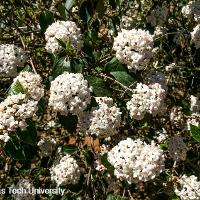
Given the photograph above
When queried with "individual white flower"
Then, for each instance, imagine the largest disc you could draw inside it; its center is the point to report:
(69, 92)
(27, 186)
(158, 16)
(103, 121)
(32, 83)
(11, 57)
(195, 36)
(188, 188)
(192, 9)
(67, 31)
(99, 166)
(66, 172)
(14, 111)
(46, 146)
(177, 148)
(194, 104)
(136, 161)
(134, 48)
(146, 99)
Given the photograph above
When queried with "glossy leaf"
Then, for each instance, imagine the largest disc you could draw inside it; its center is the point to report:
(46, 19)
(195, 132)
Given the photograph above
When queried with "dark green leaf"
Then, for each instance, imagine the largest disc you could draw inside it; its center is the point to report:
(185, 105)
(62, 10)
(42, 105)
(114, 65)
(100, 9)
(113, 3)
(37, 171)
(76, 67)
(18, 151)
(60, 66)
(29, 136)
(69, 4)
(61, 43)
(195, 132)
(69, 149)
(104, 160)
(123, 77)
(88, 155)
(86, 11)
(100, 88)
(27, 69)
(92, 104)
(16, 88)
(69, 122)
(46, 19)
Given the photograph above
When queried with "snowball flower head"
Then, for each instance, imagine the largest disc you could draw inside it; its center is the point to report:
(11, 57)
(69, 92)
(177, 148)
(158, 16)
(14, 111)
(146, 99)
(66, 172)
(188, 188)
(136, 161)
(102, 121)
(195, 35)
(192, 9)
(67, 31)
(134, 48)
(26, 185)
(46, 146)
(32, 83)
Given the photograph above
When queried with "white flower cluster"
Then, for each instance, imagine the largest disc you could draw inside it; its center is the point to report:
(136, 161)
(195, 36)
(26, 185)
(177, 148)
(194, 104)
(10, 58)
(192, 9)
(46, 146)
(134, 48)
(67, 31)
(32, 83)
(158, 16)
(103, 121)
(66, 172)
(69, 92)
(188, 188)
(161, 135)
(14, 111)
(146, 99)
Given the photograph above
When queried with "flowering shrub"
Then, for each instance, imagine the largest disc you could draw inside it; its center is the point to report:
(100, 99)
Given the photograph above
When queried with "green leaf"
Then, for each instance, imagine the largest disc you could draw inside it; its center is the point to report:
(69, 4)
(113, 197)
(104, 160)
(195, 132)
(88, 155)
(29, 136)
(42, 105)
(62, 10)
(46, 19)
(86, 11)
(69, 122)
(37, 171)
(100, 9)
(185, 105)
(61, 43)
(114, 65)
(76, 67)
(69, 149)
(92, 104)
(100, 88)
(17, 150)
(123, 77)
(16, 88)
(60, 66)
